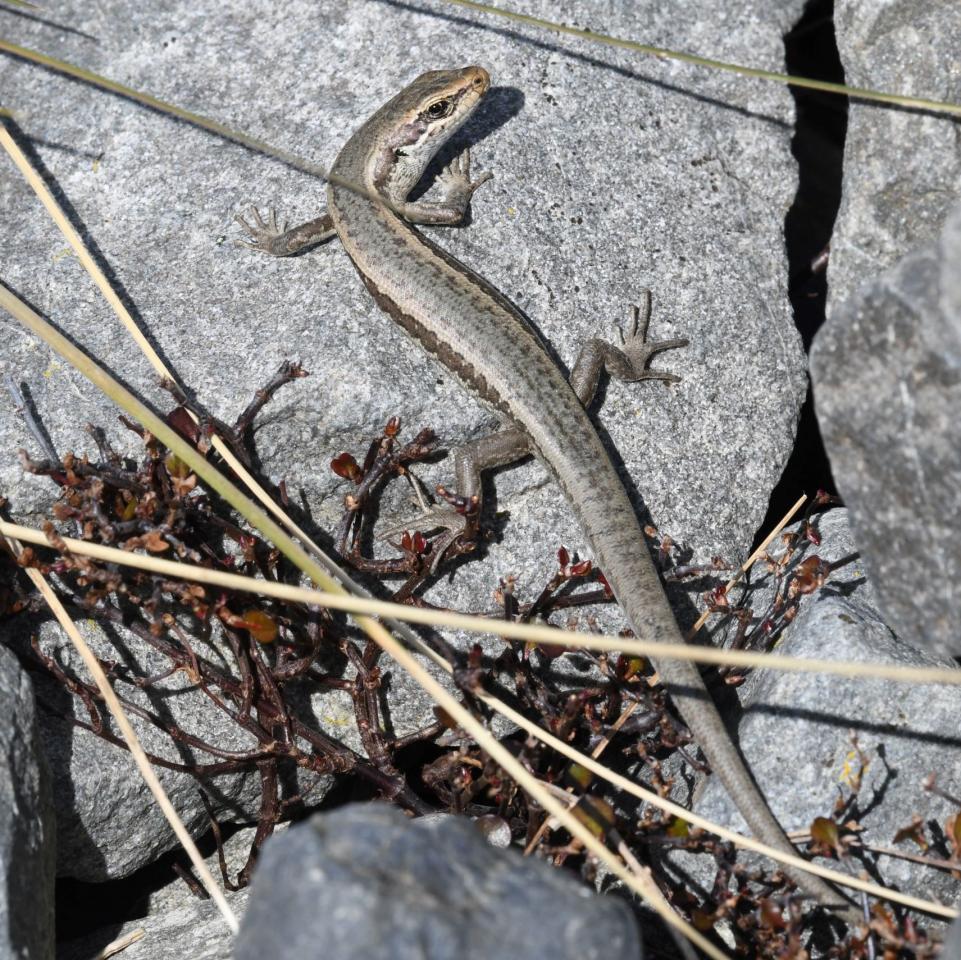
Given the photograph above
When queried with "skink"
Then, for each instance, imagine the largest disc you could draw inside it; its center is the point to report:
(482, 338)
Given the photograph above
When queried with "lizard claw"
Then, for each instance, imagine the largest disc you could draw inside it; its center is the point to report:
(455, 178)
(265, 235)
(639, 350)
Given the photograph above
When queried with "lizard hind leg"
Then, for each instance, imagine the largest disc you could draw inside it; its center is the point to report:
(461, 509)
(629, 361)
(639, 350)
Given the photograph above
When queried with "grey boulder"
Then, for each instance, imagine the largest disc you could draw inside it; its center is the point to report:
(952, 943)
(364, 882)
(887, 393)
(902, 168)
(26, 823)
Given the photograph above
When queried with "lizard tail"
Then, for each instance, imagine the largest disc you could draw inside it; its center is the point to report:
(693, 701)
(623, 557)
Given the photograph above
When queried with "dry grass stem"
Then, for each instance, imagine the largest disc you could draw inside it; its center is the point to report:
(531, 633)
(334, 596)
(235, 582)
(375, 630)
(751, 560)
(592, 36)
(337, 577)
(642, 885)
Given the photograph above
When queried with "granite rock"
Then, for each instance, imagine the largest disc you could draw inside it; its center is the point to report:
(887, 390)
(885, 364)
(368, 883)
(194, 929)
(26, 823)
(902, 168)
(612, 174)
(108, 823)
(952, 943)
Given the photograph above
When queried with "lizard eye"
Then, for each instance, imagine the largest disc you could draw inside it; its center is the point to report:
(440, 109)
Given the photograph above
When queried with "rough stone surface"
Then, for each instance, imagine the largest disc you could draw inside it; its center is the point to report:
(236, 849)
(108, 824)
(612, 173)
(195, 930)
(952, 944)
(887, 390)
(885, 365)
(26, 824)
(554, 234)
(902, 168)
(795, 730)
(367, 883)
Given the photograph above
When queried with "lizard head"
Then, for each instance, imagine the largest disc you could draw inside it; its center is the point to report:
(427, 113)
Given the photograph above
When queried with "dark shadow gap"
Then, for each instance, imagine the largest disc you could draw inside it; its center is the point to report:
(818, 147)
(98, 909)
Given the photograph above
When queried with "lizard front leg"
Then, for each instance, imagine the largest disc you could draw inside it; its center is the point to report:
(627, 362)
(457, 189)
(267, 237)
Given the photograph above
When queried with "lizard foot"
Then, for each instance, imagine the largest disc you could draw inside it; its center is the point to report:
(639, 350)
(456, 184)
(265, 235)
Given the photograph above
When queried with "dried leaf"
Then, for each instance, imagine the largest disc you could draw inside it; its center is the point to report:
(183, 487)
(679, 829)
(129, 510)
(445, 718)
(550, 651)
(181, 421)
(261, 626)
(153, 542)
(345, 466)
(578, 776)
(952, 829)
(811, 534)
(702, 920)
(176, 467)
(628, 667)
(824, 833)
(771, 916)
(809, 576)
(915, 832)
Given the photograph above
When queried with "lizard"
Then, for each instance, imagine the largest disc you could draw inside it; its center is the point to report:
(489, 345)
